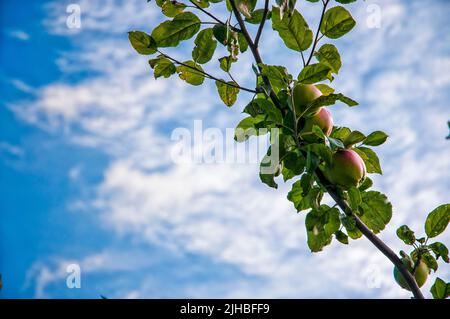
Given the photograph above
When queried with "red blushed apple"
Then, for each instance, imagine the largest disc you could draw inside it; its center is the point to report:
(303, 94)
(347, 169)
(322, 119)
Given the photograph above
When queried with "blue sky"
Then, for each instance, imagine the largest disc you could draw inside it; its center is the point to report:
(86, 175)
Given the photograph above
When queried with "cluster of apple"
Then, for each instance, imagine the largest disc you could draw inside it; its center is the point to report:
(347, 168)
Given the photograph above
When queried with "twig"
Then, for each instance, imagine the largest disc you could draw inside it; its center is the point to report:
(303, 59)
(207, 22)
(263, 21)
(317, 38)
(231, 77)
(208, 75)
(254, 50)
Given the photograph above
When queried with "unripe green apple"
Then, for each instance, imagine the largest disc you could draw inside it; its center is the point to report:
(322, 119)
(420, 275)
(303, 94)
(347, 169)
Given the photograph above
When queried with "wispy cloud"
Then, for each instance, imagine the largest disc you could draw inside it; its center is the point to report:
(19, 35)
(9, 149)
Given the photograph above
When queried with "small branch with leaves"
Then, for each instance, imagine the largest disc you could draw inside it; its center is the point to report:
(195, 69)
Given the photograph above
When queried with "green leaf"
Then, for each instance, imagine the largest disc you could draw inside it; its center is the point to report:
(366, 184)
(269, 168)
(228, 5)
(159, 3)
(321, 224)
(327, 100)
(440, 289)
(335, 144)
(221, 33)
(340, 132)
(247, 127)
(191, 73)
(430, 261)
(154, 62)
(256, 106)
(376, 138)
(286, 143)
(205, 45)
(345, 1)
(227, 93)
(164, 67)
(312, 159)
(172, 8)
(422, 240)
(294, 162)
(170, 33)
(307, 182)
(225, 63)
(322, 151)
(315, 73)
(349, 223)
(272, 113)
(288, 119)
(377, 210)
(287, 173)
(440, 250)
(354, 198)
(328, 54)
(318, 132)
(370, 158)
(301, 200)
(337, 21)
(293, 30)
(341, 237)
(264, 107)
(347, 100)
(406, 234)
(257, 16)
(353, 138)
(278, 75)
(142, 42)
(325, 89)
(437, 220)
(243, 45)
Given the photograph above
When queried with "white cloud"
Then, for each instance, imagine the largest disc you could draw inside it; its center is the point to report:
(11, 149)
(99, 16)
(54, 272)
(19, 34)
(75, 172)
(22, 86)
(222, 211)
